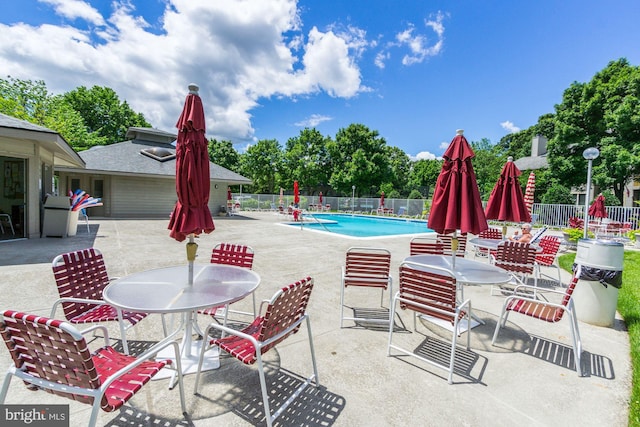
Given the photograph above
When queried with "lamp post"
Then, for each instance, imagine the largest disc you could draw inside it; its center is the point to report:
(590, 154)
(353, 198)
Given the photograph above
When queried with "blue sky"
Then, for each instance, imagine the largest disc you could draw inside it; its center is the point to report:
(413, 70)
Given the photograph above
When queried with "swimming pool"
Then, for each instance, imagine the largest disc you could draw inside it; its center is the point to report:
(362, 225)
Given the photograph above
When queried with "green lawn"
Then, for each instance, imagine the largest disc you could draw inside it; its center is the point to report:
(629, 309)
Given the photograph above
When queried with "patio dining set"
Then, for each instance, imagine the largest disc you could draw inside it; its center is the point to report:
(52, 353)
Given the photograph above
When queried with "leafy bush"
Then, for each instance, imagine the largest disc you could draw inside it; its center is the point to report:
(558, 194)
(415, 194)
(610, 198)
(573, 234)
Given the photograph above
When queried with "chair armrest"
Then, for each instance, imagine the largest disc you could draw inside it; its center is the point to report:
(510, 298)
(63, 300)
(255, 342)
(147, 355)
(102, 328)
(539, 290)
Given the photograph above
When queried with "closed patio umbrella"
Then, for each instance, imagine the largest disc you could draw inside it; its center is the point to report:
(530, 191)
(281, 199)
(296, 194)
(456, 200)
(320, 198)
(597, 208)
(191, 215)
(382, 199)
(506, 202)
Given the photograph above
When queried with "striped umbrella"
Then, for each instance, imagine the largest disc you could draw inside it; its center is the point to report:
(528, 192)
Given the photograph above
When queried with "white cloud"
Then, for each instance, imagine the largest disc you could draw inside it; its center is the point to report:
(424, 155)
(381, 58)
(510, 127)
(76, 9)
(237, 52)
(418, 44)
(313, 120)
(444, 145)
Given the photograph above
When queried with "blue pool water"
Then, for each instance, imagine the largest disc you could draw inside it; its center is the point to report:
(363, 225)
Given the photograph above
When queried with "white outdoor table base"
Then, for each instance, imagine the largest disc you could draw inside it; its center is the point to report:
(167, 291)
(466, 272)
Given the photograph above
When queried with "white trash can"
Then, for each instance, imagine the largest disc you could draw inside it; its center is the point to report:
(598, 264)
(73, 223)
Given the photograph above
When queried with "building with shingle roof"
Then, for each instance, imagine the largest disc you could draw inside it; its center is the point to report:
(136, 178)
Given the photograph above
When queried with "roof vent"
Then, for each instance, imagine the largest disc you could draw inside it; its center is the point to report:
(158, 153)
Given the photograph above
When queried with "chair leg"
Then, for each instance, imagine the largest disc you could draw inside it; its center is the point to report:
(577, 344)
(263, 387)
(123, 332)
(392, 309)
(5, 387)
(313, 352)
(341, 304)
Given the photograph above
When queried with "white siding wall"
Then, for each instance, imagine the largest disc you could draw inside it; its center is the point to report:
(133, 197)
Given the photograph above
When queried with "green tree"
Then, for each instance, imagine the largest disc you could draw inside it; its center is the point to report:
(263, 164)
(358, 158)
(558, 193)
(62, 118)
(222, 153)
(31, 101)
(487, 164)
(103, 113)
(400, 169)
(423, 175)
(603, 113)
(306, 159)
(25, 99)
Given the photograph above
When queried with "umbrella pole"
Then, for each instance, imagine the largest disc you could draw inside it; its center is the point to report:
(504, 231)
(454, 248)
(192, 248)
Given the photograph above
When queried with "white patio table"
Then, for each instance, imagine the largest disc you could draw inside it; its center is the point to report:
(167, 291)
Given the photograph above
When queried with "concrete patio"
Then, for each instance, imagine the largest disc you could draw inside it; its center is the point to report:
(527, 379)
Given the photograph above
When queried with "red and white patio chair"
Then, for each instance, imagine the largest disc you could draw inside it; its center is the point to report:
(53, 356)
(547, 311)
(282, 318)
(425, 246)
(236, 255)
(430, 292)
(548, 257)
(81, 277)
(367, 268)
(518, 259)
(447, 239)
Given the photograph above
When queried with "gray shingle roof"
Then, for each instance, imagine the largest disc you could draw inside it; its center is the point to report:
(125, 158)
(12, 122)
(22, 130)
(532, 163)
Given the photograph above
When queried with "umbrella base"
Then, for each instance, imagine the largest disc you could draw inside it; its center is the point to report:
(463, 325)
(189, 360)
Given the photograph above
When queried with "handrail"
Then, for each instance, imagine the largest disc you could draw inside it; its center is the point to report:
(316, 219)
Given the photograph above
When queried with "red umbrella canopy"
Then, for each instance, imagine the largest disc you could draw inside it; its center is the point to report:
(456, 201)
(191, 213)
(296, 193)
(597, 208)
(530, 191)
(229, 195)
(320, 198)
(382, 199)
(506, 202)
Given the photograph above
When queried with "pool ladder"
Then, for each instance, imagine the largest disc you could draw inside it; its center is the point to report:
(302, 216)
